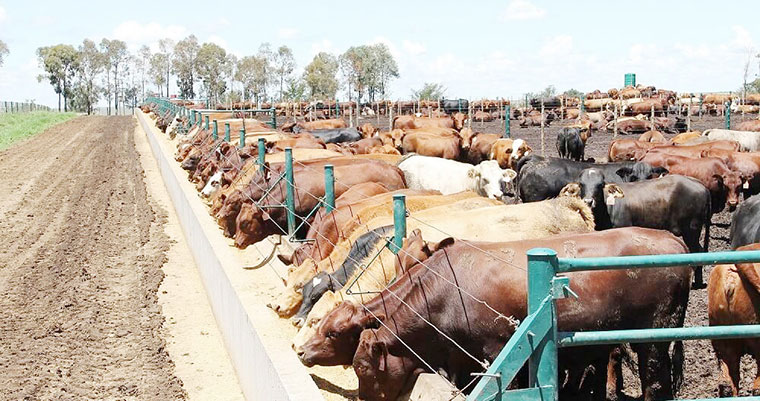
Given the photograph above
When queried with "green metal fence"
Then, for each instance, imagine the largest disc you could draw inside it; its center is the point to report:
(537, 340)
(21, 107)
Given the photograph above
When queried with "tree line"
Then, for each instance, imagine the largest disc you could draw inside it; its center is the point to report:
(83, 75)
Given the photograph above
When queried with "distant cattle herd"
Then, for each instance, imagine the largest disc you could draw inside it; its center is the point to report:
(476, 202)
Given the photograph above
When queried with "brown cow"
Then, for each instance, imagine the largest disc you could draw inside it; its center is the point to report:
(480, 147)
(633, 126)
(751, 125)
(367, 130)
(645, 107)
(745, 163)
(507, 152)
(378, 359)
(437, 144)
(303, 140)
(693, 151)
(686, 137)
(625, 149)
(652, 136)
(724, 185)
(733, 293)
(314, 125)
(456, 121)
(483, 116)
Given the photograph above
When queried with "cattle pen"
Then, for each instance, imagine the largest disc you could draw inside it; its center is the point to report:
(537, 337)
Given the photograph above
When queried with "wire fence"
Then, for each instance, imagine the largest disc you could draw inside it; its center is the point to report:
(22, 107)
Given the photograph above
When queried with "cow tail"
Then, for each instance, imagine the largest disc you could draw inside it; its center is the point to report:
(708, 223)
(677, 366)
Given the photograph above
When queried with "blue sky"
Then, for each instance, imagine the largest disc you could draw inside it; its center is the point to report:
(475, 49)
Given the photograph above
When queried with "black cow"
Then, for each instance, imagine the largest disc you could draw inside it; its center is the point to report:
(362, 251)
(540, 178)
(452, 106)
(675, 203)
(337, 135)
(570, 145)
(745, 225)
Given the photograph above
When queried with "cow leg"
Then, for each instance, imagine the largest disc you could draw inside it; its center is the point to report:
(691, 238)
(728, 360)
(615, 373)
(654, 371)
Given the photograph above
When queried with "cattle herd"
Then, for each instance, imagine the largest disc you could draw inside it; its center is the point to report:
(450, 298)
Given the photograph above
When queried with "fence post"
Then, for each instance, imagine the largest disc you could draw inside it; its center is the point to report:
(337, 108)
(207, 123)
(242, 138)
(290, 203)
(227, 132)
(262, 154)
(728, 114)
(543, 364)
(399, 222)
(459, 104)
(215, 133)
(582, 106)
(329, 188)
(273, 110)
(507, 112)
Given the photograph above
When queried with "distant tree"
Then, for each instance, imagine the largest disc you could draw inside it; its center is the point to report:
(60, 63)
(265, 70)
(166, 47)
(368, 70)
(745, 76)
(251, 72)
(212, 64)
(115, 53)
(296, 90)
(384, 68)
(3, 52)
(184, 65)
(429, 91)
(572, 93)
(319, 76)
(284, 63)
(156, 71)
(91, 64)
(353, 66)
(145, 56)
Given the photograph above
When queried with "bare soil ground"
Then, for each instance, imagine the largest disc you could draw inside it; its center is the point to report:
(80, 268)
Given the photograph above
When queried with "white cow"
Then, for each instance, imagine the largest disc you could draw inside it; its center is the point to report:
(212, 184)
(749, 141)
(449, 176)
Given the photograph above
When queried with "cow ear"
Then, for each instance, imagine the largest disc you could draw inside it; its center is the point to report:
(473, 173)
(511, 174)
(446, 242)
(265, 216)
(571, 189)
(380, 350)
(624, 172)
(614, 190)
(718, 178)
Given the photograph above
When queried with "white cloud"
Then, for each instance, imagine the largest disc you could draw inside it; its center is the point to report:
(413, 48)
(218, 40)
(3, 14)
(136, 34)
(559, 45)
(287, 33)
(522, 10)
(324, 45)
(742, 37)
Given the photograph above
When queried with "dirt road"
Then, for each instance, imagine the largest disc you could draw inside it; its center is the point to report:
(80, 260)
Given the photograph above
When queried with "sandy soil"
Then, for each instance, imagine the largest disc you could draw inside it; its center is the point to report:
(193, 339)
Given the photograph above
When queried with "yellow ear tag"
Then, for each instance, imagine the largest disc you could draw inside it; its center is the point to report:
(746, 185)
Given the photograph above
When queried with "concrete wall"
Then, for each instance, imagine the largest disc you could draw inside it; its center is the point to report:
(260, 377)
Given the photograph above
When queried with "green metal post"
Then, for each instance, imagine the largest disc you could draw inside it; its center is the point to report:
(262, 154)
(192, 118)
(227, 132)
(274, 117)
(206, 127)
(399, 222)
(337, 109)
(700, 103)
(543, 365)
(290, 202)
(242, 138)
(329, 188)
(507, 113)
(583, 103)
(216, 131)
(459, 104)
(728, 114)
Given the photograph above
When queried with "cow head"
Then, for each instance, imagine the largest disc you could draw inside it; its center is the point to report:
(592, 189)
(312, 291)
(212, 184)
(191, 160)
(732, 183)
(467, 134)
(287, 302)
(416, 250)
(383, 375)
(520, 148)
(397, 136)
(251, 225)
(367, 130)
(459, 119)
(336, 338)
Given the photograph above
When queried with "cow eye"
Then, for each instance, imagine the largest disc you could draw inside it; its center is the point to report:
(332, 334)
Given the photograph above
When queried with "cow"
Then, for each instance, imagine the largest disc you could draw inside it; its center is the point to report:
(507, 152)
(483, 321)
(314, 125)
(535, 119)
(456, 121)
(540, 178)
(653, 136)
(686, 137)
(482, 116)
(745, 223)
(254, 223)
(337, 135)
(507, 223)
(367, 130)
(724, 185)
(693, 151)
(303, 140)
(732, 294)
(477, 145)
(571, 143)
(749, 141)
(443, 145)
(747, 164)
(633, 126)
(646, 107)
(626, 149)
(751, 125)
(449, 176)
(675, 203)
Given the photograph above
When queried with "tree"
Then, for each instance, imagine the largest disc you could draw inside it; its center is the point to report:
(144, 66)
(745, 86)
(184, 65)
(296, 90)
(166, 47)
(60, 63)
(3, 52)
(251, 72)
(383, 69)
(319, 76)
(368, 69)
(91, 64)
(212, 64)
(284, 64)
(116, 53)
(352, 65)
(158, 63)
(572, 93)
(429, 91)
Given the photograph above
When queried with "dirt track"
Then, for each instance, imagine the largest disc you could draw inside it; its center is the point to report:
(80, 268)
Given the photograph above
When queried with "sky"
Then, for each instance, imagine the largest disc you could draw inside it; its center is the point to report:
(483, 49)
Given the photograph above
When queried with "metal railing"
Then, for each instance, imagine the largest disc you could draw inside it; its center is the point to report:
(537, 339)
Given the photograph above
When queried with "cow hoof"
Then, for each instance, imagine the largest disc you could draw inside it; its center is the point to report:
(756, 392)
(698, 286)
(725, 391)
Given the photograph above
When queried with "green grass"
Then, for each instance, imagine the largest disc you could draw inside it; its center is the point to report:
(17, 126)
